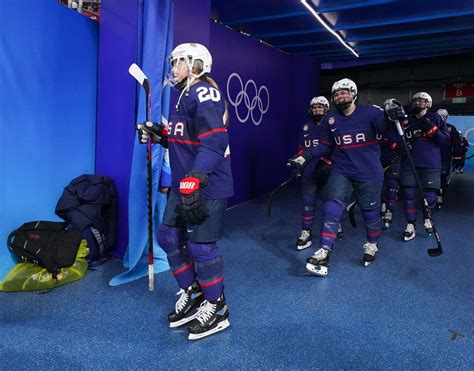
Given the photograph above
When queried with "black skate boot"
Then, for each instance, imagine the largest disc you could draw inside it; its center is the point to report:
(318, 263)
(387, 219)
(186, 307)
(428, 226)
(340, 233)
(370, 249)
(211, 318)
(410, 232)
(304, 240)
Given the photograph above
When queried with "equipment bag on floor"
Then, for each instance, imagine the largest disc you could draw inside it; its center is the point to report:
(30, 277)
(51, 245)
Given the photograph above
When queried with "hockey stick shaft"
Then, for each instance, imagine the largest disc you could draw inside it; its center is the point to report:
(141, 78)
(439, 250)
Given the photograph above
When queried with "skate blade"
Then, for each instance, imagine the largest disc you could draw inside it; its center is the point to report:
(366, 264)
(183, 321)
(406, 239)
(302, 247)
(220, 327)
(318, 270)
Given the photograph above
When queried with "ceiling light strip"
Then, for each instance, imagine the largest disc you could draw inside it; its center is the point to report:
(323, 23)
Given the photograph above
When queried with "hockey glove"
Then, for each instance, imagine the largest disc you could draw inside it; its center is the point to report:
(192, 209)
(159, 133)
(394, 110)
(429, 127)
(298, 161)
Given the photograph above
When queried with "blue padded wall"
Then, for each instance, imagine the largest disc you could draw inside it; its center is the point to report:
(48, 79)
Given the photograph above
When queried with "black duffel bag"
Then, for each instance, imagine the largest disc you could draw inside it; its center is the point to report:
(51, 245)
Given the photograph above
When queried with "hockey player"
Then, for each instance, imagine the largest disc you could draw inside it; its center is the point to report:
(391, 164)
(451, 151)
(315, 174)
(356, 167)
(458, 162)
(426, 132)
(201, 183)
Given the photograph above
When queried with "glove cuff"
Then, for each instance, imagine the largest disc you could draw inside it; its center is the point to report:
(192, 182)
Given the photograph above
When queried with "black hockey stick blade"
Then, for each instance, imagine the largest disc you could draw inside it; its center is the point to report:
(270, 199)
(351, 210)
(436, 251)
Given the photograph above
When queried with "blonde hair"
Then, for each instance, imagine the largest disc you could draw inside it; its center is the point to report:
(211, 81)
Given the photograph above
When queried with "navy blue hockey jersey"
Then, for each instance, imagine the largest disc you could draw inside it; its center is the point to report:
(354, 138)
(311, 135)
(425, 150)
(198, 140)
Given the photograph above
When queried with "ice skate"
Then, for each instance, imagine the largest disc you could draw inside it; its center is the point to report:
(410, 232)
(212, 317)
(318, 263)
(370, 250)
(186, 307)
(304, 240)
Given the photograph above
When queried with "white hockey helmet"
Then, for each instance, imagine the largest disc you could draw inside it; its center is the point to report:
(425, 96)
(190, 53)
(443, 113)
(345, 84)
(320, 100)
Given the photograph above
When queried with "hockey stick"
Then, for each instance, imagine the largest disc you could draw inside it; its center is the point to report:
(141, 78)
(281, 186)
(438, 250)
(351, 210)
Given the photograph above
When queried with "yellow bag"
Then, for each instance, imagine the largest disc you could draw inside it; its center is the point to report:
(29, 277)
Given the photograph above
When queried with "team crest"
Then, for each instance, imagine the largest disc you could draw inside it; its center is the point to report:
(331, 120)
(305, 128)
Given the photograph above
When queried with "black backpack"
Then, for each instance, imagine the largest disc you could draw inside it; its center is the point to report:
(51, 245)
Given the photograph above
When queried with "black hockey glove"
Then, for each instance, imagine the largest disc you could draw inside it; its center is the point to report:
(159, 133)
(430, 129)
(394, 110)
(298, 161)
(192, 209)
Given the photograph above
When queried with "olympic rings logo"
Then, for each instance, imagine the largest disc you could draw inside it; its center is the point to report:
(251, 105)
(467, 135)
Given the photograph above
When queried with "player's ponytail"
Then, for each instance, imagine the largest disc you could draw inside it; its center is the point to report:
(211, 81)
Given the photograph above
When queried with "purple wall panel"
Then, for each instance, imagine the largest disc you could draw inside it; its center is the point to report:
(191, 21)
(116, 102)
(260, 149)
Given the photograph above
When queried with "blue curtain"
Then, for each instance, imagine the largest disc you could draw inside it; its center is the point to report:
(155, 24)
(48, 80)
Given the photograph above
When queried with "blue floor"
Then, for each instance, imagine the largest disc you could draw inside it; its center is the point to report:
(395, 314)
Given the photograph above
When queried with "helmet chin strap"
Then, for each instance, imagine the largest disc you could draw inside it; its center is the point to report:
(189, 82)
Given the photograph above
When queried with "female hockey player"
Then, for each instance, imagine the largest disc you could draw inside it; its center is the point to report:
(426, 132)
(451, 151)
(356, 167)
(201, 183)
(315, 173)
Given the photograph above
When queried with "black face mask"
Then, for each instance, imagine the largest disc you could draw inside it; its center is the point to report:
(343, 105)
(317, 118)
